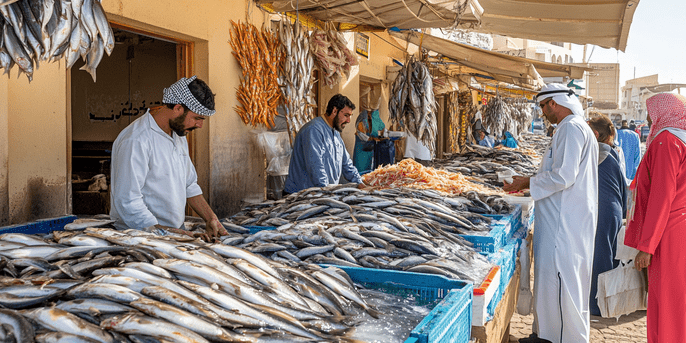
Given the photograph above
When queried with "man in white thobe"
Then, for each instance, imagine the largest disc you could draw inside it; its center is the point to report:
(566, 193)
(152, 174)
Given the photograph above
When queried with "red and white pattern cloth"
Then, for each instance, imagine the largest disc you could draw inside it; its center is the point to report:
(665, 110)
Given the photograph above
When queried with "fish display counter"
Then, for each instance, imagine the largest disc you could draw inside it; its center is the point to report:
(93, 283)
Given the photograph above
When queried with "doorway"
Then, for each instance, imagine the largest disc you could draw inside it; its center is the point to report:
(129, 82)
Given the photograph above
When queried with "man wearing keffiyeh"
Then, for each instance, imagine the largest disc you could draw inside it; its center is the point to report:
(152, 174)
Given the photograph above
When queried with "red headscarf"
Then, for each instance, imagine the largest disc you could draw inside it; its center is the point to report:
(665, 110)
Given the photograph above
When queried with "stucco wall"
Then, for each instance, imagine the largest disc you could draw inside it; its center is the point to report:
(4, 150)
(37, 144)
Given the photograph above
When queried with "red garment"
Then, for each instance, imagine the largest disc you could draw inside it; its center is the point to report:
(658, 227)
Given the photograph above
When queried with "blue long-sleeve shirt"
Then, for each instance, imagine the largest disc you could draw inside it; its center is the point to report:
(319, 158)
(631, 145)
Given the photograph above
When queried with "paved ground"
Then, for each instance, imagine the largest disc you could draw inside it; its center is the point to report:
(628, 329)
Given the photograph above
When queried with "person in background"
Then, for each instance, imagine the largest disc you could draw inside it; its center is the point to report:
(631, 146)
(632, 125)
(368, 129)
(656, 225)
(485, 139)
(565, 191)
(319, 157)
(612, 196)
(509, 140)
(152, 174)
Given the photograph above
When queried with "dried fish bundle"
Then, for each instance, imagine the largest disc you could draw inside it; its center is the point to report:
(413, 105)
(33, 30)
(521, 115)
(331, 54)
(296, 81)
(455, 124)
(466, 109)
(494, 116)
(259, 53)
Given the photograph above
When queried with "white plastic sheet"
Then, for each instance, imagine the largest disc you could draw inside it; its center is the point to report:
(277, 148)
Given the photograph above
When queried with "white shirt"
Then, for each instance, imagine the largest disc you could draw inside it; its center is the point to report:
(152, 175)
(566, 193)
(415, 149)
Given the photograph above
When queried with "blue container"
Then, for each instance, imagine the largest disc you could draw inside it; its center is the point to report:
(506, 258)
(256, 229)
(449, 321)
(39, 226)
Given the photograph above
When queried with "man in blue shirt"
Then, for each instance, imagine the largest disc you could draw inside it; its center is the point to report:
(485, 139)
(631, 146)
(319, 156)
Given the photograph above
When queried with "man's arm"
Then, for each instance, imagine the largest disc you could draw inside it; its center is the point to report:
(212, 225)
(569, 144)
(314, 153)
(349, 171)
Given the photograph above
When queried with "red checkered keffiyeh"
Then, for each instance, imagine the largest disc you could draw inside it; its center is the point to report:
(666, 110)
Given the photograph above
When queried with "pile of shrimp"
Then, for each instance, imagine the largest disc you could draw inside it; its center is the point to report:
(409, 173)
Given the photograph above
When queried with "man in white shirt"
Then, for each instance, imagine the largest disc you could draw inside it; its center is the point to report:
(152, 173)
(566, 193)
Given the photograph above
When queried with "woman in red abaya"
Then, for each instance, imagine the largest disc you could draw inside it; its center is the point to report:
(657, 223)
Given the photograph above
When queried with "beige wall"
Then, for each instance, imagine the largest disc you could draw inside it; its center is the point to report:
(37, 144)
(4, 150)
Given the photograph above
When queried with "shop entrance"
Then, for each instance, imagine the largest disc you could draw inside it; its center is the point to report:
(128, 82)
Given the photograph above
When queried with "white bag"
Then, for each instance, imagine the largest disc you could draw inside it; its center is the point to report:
(622, 290)
(624, 253)
(525, 296)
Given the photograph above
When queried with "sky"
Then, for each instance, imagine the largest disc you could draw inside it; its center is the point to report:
(656, 44)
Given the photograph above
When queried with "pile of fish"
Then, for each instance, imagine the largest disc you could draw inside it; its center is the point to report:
(104, 285)
(259, 54)
(413, 106)
(399, 229)
(296, 81)
(331, 54)
(47, 30)
(485, 163)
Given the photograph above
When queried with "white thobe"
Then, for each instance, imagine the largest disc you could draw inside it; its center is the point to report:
(152, 175)
(566, 193)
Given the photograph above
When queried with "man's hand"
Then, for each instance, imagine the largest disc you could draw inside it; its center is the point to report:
(215, 229)
(518, 183)
(361, 186)
(642, 260)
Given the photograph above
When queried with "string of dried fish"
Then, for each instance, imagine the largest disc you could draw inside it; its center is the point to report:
(259, 54)
(331, 54)
(413, 106)
(409, 173)
(296, 81)
(32, 31)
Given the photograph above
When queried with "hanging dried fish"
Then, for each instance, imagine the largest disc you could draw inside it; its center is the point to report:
(331, 54)
(259, 54)
(412, 104)
(48, 30)
(296, 81)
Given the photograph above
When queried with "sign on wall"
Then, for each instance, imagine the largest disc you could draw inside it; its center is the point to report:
(362, 44)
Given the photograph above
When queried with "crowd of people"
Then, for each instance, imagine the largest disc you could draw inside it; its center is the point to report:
(580, 194)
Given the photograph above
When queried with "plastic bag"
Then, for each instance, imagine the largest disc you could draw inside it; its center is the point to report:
(277, 148)
(622, 290)
(624, 253)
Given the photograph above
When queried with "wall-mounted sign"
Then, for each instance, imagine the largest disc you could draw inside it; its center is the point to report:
(362, 44)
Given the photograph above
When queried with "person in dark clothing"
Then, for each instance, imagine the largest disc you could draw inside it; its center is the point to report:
(612, 199)
(632, 126)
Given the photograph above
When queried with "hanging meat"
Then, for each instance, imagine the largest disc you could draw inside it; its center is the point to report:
(259, 54)
(331, 54)
(48, 30)
(296, 81)
(412, 104)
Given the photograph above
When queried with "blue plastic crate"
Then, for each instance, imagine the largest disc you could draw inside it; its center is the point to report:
(39, 226)
(506, 258)
(489, 243)
(449, 321)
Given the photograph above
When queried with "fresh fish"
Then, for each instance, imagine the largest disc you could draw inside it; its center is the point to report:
(104, 291)
(63, 321)
(95, 307)
(21, 329)
(136, 324)
(63, 337)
